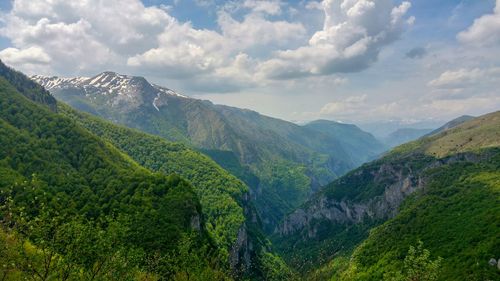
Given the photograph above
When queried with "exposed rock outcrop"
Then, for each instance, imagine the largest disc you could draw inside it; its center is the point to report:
(398, 182)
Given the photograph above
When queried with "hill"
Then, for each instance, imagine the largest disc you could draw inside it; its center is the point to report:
(451, 124)
(58, 179)
(442, 190)
(231, 218)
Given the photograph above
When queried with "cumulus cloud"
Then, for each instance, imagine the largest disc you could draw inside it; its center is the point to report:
(32, 55)
(485, 31)
(353, 34)
(182, 52)
(464, 78)
(255, 30)
(83, 35)
(249, 47)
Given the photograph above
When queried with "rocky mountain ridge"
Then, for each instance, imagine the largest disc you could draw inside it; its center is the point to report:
(406, 180)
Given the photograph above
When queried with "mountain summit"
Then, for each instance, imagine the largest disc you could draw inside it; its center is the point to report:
(116, 90)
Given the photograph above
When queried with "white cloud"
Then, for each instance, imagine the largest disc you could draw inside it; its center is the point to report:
(271, 7)
(353, 34)
(32, 55)
(347, 106)
(83, 36)
(464, 78)
(182, 52)
(485, 31)
(255, 30)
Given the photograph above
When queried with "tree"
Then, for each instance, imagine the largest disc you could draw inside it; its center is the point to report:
(417, 266)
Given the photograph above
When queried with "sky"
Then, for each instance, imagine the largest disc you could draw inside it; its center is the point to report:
(355, 61)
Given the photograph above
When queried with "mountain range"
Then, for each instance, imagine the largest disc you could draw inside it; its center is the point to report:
(282, 163)
(114, 178)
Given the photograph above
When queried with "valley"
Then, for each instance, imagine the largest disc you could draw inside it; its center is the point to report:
(255, 198)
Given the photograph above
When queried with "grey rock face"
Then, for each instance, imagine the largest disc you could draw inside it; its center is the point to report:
(196, 222)
(345, 211)
(404, 181)
(242, 253)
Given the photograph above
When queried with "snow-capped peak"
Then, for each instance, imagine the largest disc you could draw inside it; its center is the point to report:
(51, 82)
(105, 83)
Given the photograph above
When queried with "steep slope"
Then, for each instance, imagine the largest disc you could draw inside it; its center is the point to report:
(230, 216)
(360, 145)
(430, 189)
(288, 160)
(27, 87)
(451, 124)
(225, 216)
(55, 175)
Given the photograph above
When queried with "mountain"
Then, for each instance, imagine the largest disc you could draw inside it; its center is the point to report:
(403, 135)
(442, 190)
(84, 204)
(360, 145)
(281, 162)
(382, 129)
(453, 123)
(198, 221)
(231, 219)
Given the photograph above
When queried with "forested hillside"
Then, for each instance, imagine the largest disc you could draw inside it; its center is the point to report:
(67, 174)
(442, 190)
(231, 218)
(58, 178)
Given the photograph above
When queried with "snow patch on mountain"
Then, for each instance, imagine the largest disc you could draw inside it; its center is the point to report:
(106, 83)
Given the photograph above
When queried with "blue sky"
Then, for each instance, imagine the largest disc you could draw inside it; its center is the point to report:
(349, 60)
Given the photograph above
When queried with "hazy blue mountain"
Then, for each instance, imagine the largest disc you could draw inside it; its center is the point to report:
(360, 145)
(403, 135)
(382, 129)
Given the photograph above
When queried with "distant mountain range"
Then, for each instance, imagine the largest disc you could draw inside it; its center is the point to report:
(283, 163)
(403, 135)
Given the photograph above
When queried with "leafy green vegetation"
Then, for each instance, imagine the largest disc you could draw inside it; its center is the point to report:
(456, 216)
(454, 209)
(417, 266)
(220, 193)
(88, 176)
(223, 197)
(27, 87)
(57, 174)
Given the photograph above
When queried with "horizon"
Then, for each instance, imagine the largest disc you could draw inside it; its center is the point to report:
(347, 61)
